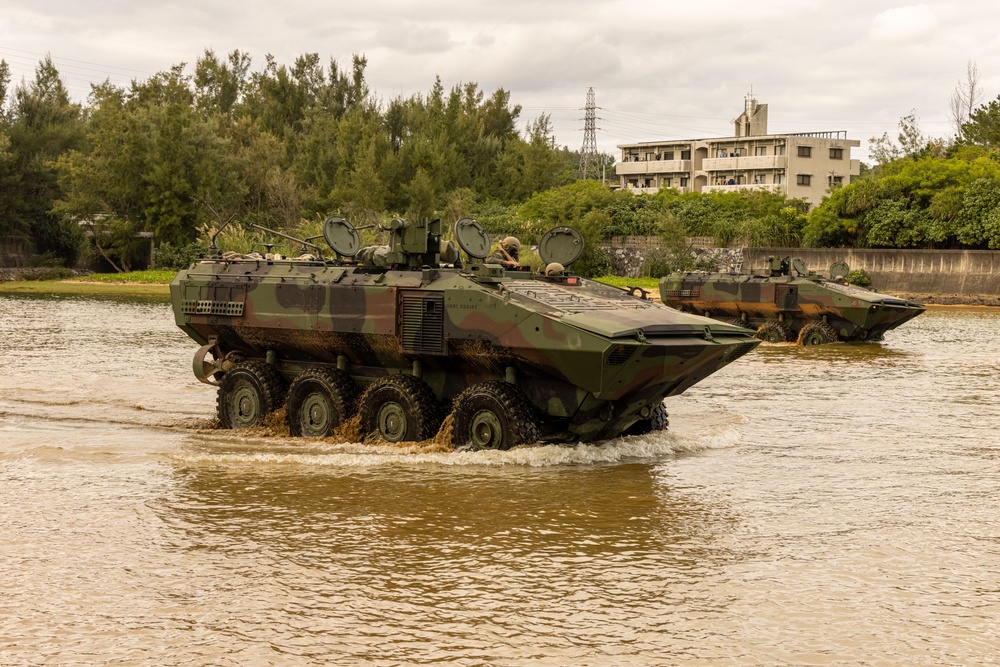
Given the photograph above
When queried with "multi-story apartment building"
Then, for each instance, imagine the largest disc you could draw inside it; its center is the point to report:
(803, 166)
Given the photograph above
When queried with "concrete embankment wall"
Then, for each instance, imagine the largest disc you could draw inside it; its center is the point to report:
(960, 272)
(914, 271)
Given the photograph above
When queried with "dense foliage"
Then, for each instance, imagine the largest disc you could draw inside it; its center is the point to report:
(749, 217)
(923, 193)
(181, 154)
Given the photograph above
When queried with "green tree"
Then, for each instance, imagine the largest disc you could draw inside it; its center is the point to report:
(535, 165)
(153, 165)
(43, 124)
(983, 126)
(219, 84)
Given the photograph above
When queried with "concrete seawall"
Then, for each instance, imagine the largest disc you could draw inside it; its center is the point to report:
(957, 272)
(963, 272)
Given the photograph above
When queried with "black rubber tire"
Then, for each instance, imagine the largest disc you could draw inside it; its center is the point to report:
(817, 333)
(320, 400)
(774, 331)
(399, 408)
(659, 420)
(493, 415)
(249, 391)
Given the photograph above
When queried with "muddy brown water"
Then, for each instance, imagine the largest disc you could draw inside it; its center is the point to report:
(834, 505)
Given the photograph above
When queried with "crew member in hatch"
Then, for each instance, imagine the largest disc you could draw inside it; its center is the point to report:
(506, 253)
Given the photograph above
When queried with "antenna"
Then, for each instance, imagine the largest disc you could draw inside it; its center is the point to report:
(588, 154)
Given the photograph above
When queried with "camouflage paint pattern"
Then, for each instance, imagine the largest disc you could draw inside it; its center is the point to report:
(853, 312)
(591, 359)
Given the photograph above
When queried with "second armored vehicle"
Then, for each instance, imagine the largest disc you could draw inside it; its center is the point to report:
(404, 334)
(807, 307)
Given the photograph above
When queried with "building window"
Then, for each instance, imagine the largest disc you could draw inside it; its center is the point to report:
(760, 150)
(779, 179)
(803, 179)
(805, 151)
(836, 153)
(779, 149)
(684, 181)
(721, 153)
(685, 155)
(836, 180)
(669, 155)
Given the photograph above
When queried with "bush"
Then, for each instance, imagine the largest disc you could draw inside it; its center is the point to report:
(167, 256)
(592, 263)
(858, 277)
(656, 266)
(50, 273)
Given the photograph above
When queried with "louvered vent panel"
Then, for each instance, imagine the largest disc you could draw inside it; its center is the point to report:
(692, 293)
(422, 323)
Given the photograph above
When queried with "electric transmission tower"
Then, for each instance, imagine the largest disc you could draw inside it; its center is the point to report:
(588, 154)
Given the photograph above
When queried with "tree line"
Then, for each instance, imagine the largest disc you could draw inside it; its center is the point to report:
(179, 155)
(923, 192)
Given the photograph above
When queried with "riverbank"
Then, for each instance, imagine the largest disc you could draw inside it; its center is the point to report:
(953, 299)
(64, 281)
(84, 287)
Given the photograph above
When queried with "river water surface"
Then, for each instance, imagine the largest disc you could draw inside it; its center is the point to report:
(832, 505)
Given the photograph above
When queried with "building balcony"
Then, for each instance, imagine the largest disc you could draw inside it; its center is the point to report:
(652, 190)
(770, 187)
(744, 163)
(653, 167)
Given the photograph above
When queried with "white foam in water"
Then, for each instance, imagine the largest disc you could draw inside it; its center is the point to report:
(629, 448)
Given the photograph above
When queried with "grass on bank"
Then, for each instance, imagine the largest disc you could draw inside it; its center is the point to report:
(649, 284)
(155, 282)
(152, 276)
(140, 283)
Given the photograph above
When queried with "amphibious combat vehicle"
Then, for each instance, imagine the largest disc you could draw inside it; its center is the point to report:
(406, 333)
(807, 307)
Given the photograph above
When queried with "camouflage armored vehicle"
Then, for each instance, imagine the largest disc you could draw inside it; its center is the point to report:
(412, 334)
(807, 307)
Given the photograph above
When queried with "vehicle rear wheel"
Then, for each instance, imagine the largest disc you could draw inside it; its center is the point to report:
(319, 400)
(399, 408)
(774, 331)
(249, 391)
(493, 415)
(817, 333)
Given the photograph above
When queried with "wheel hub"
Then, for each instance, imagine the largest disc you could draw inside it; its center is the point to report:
(247, 406)
(316, 413)
(486, 430)
(392, 422)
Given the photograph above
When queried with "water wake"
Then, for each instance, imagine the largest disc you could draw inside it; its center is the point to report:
(233, 449)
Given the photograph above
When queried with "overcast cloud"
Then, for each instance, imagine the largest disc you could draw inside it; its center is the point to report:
(660, 70)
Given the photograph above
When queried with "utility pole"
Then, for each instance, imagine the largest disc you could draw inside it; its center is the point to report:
(588, 154)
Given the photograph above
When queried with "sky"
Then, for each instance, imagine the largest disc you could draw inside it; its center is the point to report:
(659, 69)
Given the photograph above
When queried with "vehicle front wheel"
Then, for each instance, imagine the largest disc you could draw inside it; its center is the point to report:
(817, 333)
(659, 420)
(493, 415)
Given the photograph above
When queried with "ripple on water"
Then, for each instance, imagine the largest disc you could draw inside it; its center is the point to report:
(826, 505)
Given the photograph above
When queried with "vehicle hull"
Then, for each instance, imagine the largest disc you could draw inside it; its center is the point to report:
(591, 360)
